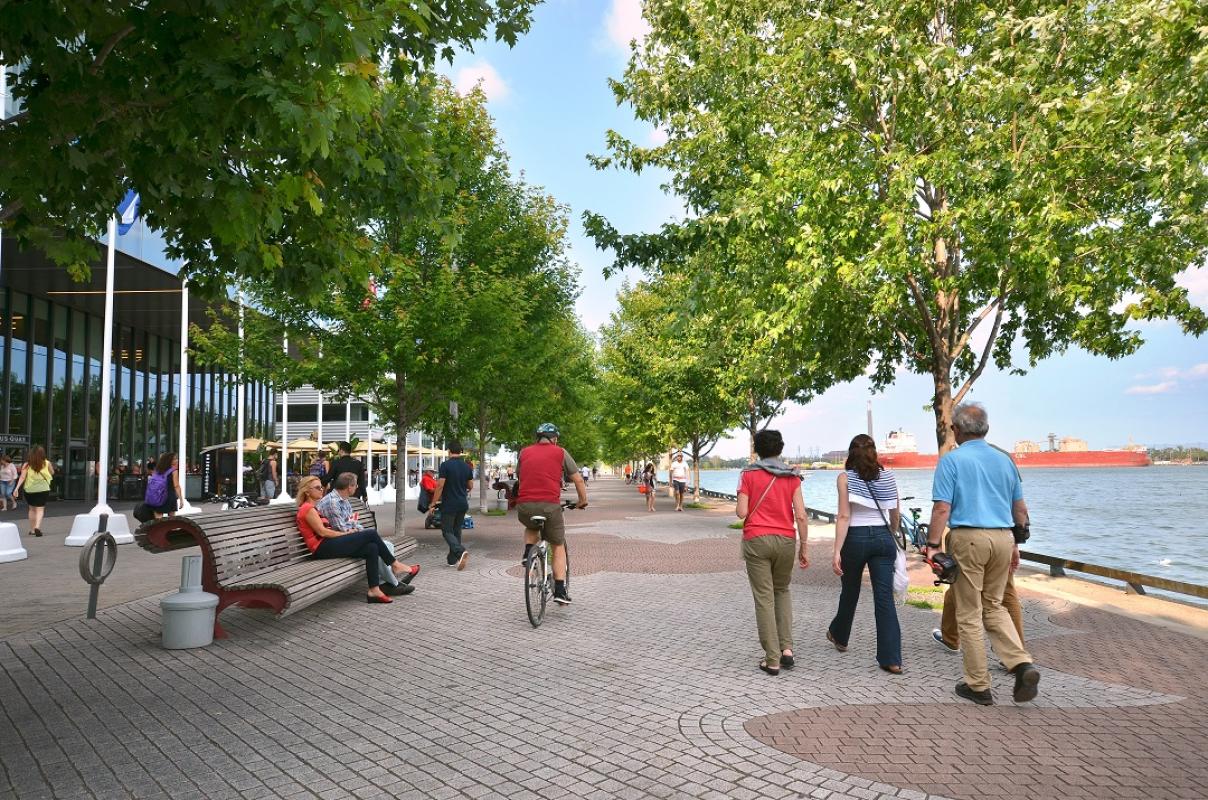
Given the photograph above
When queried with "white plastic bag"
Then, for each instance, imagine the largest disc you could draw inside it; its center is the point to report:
(385, 573)
(901, 580)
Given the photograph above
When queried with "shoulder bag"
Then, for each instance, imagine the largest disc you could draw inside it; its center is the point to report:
(901, 578)
(759, 502)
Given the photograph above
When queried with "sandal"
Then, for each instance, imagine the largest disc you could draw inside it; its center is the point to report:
(892, 669)
(787, 661)
(842, 648)
(763, 665)
(406, 577)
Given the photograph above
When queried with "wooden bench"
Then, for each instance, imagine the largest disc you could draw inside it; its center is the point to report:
(255, 557)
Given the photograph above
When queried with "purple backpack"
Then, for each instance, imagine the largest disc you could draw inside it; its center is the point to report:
(157, 489)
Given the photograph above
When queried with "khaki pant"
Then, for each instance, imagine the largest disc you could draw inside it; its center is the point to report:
(770, 562)
(984, 556)
(1010, 601)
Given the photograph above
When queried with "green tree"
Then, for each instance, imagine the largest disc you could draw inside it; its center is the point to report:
(939, 186)
(242, 125)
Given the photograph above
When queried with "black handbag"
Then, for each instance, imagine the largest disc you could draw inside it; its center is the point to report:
(143, 513)
(424, 500)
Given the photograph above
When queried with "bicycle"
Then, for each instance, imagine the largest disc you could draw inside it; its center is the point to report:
(539, 572)
(911, 531)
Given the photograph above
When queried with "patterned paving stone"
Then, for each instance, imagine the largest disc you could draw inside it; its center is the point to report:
(646, 687)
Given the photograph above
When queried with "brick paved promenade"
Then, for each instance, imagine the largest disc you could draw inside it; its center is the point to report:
(645, 687)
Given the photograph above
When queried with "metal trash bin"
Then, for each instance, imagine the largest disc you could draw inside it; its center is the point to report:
(188, 615)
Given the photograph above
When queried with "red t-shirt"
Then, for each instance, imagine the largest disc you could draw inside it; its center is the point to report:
(309, 536)
(774, 516)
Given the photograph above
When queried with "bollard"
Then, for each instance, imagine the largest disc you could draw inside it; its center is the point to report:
(188, 615)
(97, 560)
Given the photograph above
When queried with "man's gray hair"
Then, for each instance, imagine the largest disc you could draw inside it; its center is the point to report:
(344, 480)
(971, 419)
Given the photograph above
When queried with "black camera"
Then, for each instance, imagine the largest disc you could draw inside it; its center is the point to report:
(945, 568)
(1021, 532)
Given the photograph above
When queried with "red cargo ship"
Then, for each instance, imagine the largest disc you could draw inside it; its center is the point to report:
(900, 451)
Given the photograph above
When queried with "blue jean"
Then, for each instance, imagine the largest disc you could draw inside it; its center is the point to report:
(452, 517)
(870, 546)
(365, 544)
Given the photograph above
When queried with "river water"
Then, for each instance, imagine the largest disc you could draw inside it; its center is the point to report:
(1152, 520)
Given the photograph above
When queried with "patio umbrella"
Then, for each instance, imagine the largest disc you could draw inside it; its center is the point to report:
(306, 444)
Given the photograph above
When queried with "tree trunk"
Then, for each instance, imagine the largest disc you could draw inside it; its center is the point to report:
(482, 470)
(752, 425)
(696, 469)
(945, 439)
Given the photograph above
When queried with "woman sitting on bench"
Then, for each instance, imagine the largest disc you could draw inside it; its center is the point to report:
(325, 542)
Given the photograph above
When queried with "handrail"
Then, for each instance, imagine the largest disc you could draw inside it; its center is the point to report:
(1057, 566)
(1135, 580)
(814, 513)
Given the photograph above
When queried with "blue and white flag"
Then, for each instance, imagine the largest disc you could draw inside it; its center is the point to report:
(127, 212)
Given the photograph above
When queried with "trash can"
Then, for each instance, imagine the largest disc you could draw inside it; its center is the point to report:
(188, 615)
(501, 504)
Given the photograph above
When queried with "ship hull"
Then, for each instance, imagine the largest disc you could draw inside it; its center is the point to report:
(1050, 459)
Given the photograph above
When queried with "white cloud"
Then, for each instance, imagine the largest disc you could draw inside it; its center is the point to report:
(1195, 281)
(658, 136)
(1198, 371)
(625, 23)
(1156, 388)
(493, 85)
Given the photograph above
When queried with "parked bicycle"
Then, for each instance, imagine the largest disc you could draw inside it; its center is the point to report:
(539, 572)
(911, 531)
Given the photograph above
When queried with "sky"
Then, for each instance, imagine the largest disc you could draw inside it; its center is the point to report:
(552, 105)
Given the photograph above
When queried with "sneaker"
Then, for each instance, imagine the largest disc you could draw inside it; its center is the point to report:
(939, 639)
(562, 598)
(1027, 677)
(982, 698)
(401, 590)
(461, 562)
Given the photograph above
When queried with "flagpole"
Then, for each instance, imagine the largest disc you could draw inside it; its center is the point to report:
(182, 453)
(283, 473)
(11, 548)
(240, 400)
(85, 525)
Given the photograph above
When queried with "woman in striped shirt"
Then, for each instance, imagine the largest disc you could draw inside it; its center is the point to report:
(868, 511)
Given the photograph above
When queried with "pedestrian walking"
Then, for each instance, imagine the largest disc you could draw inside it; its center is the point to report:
(769, 502)
(649, 483)
(8, 482)
(868, 512)
(679, 480)
(35, 479)
(318, 468)
(346, 463)
(978, 494)
(455, 480)
(269, 476)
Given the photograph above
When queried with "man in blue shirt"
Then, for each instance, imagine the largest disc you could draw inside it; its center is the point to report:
(452, 494)
(977, 494)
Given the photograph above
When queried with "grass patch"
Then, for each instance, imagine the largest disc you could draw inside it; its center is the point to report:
(922, 602)
(695, 505)
(494, 512)
(736, 525)
(927, 589)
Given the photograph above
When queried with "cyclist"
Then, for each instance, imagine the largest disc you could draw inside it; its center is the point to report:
(541, 469)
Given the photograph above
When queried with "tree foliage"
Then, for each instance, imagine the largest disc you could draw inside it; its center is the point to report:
(931, 186)
(242, 125)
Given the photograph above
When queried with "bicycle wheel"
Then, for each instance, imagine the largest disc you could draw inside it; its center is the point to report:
(900, 535)
(920, 539)
(535, 589)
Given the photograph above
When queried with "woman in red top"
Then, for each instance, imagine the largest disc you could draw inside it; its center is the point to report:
(315, 533)
(769, 501)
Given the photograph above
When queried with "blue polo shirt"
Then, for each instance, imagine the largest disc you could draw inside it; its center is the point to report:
(980, 482)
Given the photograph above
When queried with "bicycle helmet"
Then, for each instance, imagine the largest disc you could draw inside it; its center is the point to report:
(547, 430)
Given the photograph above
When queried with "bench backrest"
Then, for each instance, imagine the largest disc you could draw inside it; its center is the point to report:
(251, 539)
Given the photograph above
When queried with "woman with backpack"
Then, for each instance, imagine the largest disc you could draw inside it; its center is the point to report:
(35, 477)
(163, 487)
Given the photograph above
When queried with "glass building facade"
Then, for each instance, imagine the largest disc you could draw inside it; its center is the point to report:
(50, 374)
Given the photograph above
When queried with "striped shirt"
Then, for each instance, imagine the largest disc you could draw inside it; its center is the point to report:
(865, 497)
